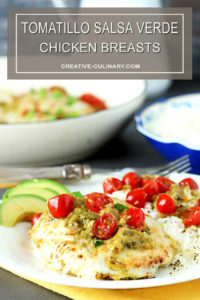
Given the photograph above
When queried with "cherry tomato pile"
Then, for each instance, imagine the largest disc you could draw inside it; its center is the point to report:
(140, 190)
(106, 225)
(143, 189)
(152, 187)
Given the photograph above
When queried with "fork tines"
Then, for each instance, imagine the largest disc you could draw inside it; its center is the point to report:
(181, 164)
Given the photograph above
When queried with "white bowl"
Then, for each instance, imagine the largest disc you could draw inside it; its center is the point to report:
(67, 140)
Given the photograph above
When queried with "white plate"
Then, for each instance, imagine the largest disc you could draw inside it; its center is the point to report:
(67, 140)
(16, 253)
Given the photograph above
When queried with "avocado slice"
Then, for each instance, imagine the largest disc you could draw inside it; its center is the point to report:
(20, 208)
(44, 193)
(45, 183)
(31, 185)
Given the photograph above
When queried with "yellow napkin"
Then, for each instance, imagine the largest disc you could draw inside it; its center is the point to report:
(182, 291)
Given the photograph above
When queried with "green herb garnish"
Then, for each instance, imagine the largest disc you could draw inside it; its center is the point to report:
(47, 113)
(147, 230)
(57, 94)
(53, 118)
(121, 208)
(78, 195)
(32, 91)
(72, 114)
(30, 114)
(71, 100)
(59, 114)
(98, 242)
(42, 93)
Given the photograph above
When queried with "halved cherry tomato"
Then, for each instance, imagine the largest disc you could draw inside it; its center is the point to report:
(132, 179)
(93, 101)
(199, 202)
(164, 183)
(135, 217)
(191, 216)
(61, 205)
(190, 182)
(137, 197)
(152, 189)
(35, 218)
(104, 227)
(97, 201)
(145, 180)
(165, 204)
(111, 185)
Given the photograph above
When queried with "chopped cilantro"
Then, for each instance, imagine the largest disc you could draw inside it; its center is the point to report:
(71, 100)
(98, 242)
(147, 230)
(78, 195)
(121, 208)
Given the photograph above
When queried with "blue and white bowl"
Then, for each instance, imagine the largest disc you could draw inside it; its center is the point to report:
(171, 148)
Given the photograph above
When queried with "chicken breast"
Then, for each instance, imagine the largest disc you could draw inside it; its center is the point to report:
(67, 245)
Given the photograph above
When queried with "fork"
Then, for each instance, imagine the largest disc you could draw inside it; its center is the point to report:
(10, 176)
(182, 164)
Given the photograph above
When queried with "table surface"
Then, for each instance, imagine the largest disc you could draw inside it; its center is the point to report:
(128, 149)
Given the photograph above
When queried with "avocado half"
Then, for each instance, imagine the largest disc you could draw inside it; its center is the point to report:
(30, 197)
(44, 188)
(21, 208)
